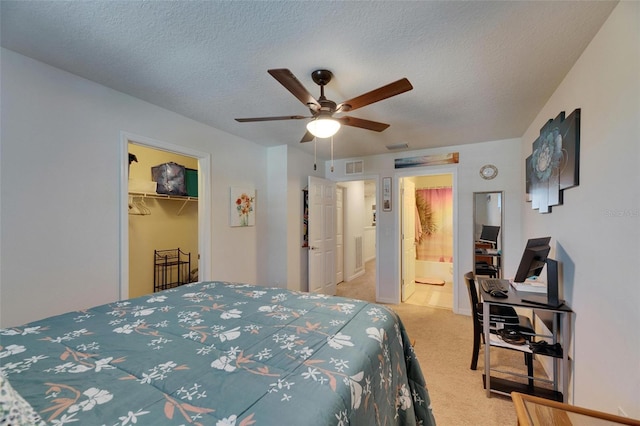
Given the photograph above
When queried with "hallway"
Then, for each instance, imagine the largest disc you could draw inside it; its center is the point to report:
(364, 288)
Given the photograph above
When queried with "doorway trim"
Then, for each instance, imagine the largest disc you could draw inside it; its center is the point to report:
(204, 204)
(453, 171)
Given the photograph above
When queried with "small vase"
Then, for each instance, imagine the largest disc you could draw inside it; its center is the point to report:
(244, 220)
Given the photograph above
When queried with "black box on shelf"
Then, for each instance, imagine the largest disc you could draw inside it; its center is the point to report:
(170, 178)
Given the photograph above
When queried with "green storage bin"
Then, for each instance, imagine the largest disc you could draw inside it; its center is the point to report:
(191, 177)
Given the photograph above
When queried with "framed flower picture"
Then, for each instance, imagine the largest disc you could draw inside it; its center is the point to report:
(242, 206)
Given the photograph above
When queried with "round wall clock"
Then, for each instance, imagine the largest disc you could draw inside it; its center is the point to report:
(488, 171)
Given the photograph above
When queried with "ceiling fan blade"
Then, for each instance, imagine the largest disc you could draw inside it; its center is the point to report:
(291, 83)
(384, 92)
(362, 123)
(283, 117)
(308, 137)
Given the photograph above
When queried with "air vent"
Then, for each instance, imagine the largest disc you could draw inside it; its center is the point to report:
(397, 146)
(354, 167)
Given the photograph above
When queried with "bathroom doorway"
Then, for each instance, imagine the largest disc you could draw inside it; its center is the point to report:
(433, 220)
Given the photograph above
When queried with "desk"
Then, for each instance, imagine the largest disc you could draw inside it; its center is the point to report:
(534, 411)
(558, 320)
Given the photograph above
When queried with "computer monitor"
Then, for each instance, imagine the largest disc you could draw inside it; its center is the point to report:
(537, 242)
(489, 234)
(553, 288)
(533, 259)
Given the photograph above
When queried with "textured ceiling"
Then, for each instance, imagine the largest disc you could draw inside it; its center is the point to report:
(481, 70)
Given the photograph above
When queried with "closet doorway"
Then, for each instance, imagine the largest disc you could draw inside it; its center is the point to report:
(156, 222)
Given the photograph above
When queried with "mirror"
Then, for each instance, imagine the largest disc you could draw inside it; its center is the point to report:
(487, 233)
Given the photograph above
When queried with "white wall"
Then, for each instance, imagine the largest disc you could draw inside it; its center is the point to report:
(60, 169)
(61, 149)
(596, 231)
(276, 202)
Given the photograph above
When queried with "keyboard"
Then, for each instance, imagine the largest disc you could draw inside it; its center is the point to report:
(488, 285)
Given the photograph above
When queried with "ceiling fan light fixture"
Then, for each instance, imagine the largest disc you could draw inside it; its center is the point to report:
(323, 127)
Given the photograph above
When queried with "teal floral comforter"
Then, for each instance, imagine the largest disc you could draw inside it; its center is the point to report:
(221, 354)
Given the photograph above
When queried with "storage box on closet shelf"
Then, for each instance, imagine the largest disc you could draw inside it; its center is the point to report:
(142, 186)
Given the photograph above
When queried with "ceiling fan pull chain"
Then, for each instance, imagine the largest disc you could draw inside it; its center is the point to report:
(331, 154)
(314, 153)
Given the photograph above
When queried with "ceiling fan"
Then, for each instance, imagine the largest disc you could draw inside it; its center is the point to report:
(323, 109)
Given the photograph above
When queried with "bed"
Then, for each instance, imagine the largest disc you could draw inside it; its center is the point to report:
(217, 353)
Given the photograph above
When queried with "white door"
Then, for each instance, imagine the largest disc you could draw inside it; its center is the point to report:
(408, 238)
(339, 235)
(322, 236)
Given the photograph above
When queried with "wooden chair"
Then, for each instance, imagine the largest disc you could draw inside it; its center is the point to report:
(504, 314)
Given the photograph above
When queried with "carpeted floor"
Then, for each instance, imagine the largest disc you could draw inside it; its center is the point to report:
(444, 342)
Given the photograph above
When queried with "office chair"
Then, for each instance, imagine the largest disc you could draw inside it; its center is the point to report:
(504, 314)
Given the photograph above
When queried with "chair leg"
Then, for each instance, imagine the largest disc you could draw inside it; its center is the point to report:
(476, 349)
